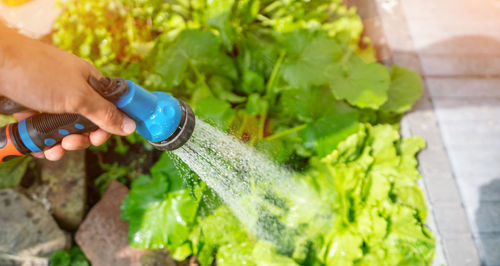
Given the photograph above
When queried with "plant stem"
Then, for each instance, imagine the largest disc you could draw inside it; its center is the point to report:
(274, 74)
(269, 93)
(242, 126)
(262, 124)
(285, 132)
(196, 71)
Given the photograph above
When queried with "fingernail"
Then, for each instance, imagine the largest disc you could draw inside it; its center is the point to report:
(38, 155)
(128, 125)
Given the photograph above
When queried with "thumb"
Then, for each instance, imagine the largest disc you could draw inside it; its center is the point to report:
(106, 115)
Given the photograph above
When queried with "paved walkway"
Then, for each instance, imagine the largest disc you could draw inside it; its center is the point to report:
(458, 42)
(456, 45)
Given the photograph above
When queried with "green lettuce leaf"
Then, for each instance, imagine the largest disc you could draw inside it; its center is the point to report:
(324, 134)
(308, 57)
(219, 16)
(381, 209)
(12, 171)
(361, 84)
(404, 91)
(160, 209)
(194, 50)
(216, 112)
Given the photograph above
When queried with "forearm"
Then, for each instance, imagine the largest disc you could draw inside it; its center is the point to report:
(12, 47)
(8, 36)
(4, 34)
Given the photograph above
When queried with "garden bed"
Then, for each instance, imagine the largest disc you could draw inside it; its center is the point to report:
(276, 99)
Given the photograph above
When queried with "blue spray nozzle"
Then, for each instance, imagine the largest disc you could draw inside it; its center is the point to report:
(166, 122)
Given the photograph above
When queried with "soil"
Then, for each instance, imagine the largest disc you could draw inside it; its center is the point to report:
(136, 153)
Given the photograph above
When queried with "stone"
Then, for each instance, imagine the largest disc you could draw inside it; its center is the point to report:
(103, 234)
(27, 230)
(484, 66)
(67, 188)
(13, 260)
(462, 250)
(465, 87)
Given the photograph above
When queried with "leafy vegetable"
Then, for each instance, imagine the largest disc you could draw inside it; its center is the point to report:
(379, 211)
(308, 57)
(73, 257)
(404, 91)
(377, 225)
(161, 200)
(12, 171)
(361, 84)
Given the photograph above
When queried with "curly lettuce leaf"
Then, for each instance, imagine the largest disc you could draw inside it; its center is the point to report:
(382, 210)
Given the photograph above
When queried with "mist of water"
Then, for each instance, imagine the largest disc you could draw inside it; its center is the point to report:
(265, 197)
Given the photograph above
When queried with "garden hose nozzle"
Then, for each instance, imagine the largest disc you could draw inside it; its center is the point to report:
(166, 122)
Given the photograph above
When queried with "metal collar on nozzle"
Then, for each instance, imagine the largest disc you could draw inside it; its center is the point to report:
(183, 132)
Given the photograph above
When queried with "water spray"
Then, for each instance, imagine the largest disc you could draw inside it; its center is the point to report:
(165, 121)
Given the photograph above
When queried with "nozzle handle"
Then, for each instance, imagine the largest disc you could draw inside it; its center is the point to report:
(46, 130)
(40, 132)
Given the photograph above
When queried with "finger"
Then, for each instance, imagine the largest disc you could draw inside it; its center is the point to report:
(90, 69)
(75, 142)
(38, 155)
(24, 114)
(105, 115)
(98, 137)
(55, 153)
(95, 73)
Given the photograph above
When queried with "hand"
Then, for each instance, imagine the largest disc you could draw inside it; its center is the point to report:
(45, 78)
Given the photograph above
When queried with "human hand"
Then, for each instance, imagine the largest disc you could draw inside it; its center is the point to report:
(45, 78)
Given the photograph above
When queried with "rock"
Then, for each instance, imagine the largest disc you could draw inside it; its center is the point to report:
(13, 260)
(27, 230)
(103, 234)
(67, 189)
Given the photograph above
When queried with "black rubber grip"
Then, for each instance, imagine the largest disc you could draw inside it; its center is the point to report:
(9, 107)
(46, 130)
